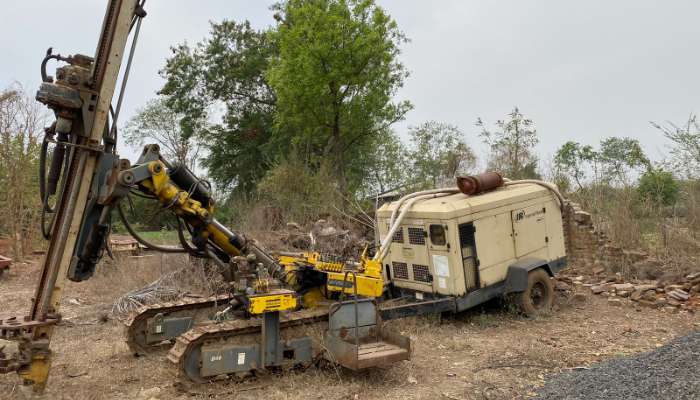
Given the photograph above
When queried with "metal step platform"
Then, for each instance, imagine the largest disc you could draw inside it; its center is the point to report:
(355, 338)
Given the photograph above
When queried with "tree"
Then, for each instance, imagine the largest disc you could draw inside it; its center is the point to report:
(686, 145)
(334, 79)
(387, 165)
(619, 157)
(614, 162)
(438, 153)
(512, 145)
(572, 160)
(659, 187)
(156, 122)
(21, 125)
(226, 74)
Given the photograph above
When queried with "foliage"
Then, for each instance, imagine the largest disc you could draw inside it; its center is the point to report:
(226, 74)
(512, 145)
(21, 124)
(387, 166)
(659, 187)
(299, 193)
(685, 150)
(613, 163)
(159, 123)
(620, 156)
(571, 161)
(438, 153)
(335, 77)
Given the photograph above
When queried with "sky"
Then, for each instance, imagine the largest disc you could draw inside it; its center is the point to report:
(581, 70)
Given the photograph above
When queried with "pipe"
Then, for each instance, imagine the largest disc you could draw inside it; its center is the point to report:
(550, 186)
(409, 196)
(393, 227)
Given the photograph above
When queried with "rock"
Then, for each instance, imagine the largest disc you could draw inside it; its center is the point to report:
(679, 294)
(615, 302)
(582, 217)
(649, 295)
(293, 225)
(598, 270)
(693, 276)
(670, 288)
(660, 302)
(599, 289)
(623, 287)
(578, 278)
(670, 309)
(636, 295)
(647, 303)
(673, 302)
(644, 288)
(695, 289)
(623, 293)
(562, 286)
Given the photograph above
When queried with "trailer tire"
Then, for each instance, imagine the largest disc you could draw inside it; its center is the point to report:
(538, 297)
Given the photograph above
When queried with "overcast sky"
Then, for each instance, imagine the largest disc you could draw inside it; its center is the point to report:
(582, 70)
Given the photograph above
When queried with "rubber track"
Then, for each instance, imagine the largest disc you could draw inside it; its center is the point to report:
(138, 319)
(201, 334)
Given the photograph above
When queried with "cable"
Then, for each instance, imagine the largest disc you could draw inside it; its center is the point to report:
(140, 239)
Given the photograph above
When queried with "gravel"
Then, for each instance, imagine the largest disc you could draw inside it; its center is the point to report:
(669, 372)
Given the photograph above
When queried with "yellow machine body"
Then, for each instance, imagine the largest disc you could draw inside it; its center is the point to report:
(275, 300)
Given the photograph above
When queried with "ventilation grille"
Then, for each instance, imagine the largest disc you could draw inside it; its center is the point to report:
(398, 236)
(421, 273)
(466, 235)
(416, 235)
(400, 270)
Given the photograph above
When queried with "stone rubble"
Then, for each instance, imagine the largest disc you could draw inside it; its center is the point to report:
(597, 265)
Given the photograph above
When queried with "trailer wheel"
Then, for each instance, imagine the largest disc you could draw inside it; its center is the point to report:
(537, 298)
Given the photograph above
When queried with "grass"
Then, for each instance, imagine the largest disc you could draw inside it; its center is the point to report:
(160, 237)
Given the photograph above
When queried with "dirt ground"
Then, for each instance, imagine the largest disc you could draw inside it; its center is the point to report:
(487, 353)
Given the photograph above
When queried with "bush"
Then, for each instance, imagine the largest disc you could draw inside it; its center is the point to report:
(299, 193)
(659, 187)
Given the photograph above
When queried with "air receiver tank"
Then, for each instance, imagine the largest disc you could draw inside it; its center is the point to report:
(475, 184)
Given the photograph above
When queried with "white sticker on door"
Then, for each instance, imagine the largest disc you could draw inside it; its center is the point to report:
(241, 358)
(441, 265)
(442, 282)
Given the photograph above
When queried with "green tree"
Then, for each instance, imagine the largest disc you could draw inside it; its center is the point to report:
(334, 79)
(157, 122)
(659, 187)
(512, 145)
(572, 160)
(387, 165)
(619, 157)
(438, 153)
(226, 74)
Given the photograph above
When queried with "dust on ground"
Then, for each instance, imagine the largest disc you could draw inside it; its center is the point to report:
(487, 353)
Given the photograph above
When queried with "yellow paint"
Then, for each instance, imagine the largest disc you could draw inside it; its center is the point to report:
(366, 286)
(279, 300)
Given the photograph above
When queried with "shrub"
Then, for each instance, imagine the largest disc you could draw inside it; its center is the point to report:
(659, 187)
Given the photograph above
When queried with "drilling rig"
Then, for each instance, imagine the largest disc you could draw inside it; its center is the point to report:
(441, 250)
(271, 299)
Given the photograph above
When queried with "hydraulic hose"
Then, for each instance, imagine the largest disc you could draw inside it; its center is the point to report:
(143, 241)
